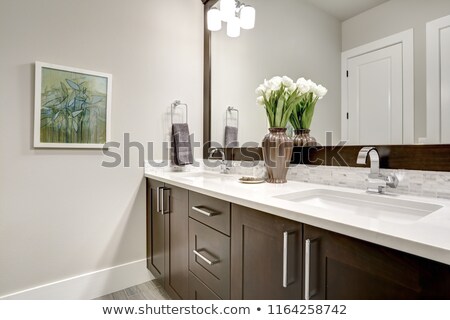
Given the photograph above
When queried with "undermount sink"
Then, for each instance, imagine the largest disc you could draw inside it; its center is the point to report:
(365, 205)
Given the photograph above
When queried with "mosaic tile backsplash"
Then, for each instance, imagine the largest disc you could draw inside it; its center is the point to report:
(412, 182)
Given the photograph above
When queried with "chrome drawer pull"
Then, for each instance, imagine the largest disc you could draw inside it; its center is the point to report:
(285, 259)
(307, 267)
(158, 199)
(208, 261)
(205, 211)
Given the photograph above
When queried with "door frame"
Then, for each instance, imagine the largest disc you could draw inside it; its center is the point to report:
(434, 132)
(406, 39)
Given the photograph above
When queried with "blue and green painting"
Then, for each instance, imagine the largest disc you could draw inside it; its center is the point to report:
(73, 107)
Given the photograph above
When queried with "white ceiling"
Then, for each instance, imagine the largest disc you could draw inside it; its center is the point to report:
(345, 9)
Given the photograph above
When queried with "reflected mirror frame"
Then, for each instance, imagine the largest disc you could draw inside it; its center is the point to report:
(207, 80)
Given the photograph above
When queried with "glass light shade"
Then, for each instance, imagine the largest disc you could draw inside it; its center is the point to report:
(214, 20)
(228, 9)
(234, 28)
(248, 15)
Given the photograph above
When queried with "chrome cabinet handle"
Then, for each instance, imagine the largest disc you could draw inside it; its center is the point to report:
(208, 261)
(307, 267)
(285, 259)
(163, 211)
(158, 198)
(161, 200)
(205, 211)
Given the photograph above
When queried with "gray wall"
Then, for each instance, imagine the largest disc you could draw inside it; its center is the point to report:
(61, 213)
(290, 38)
(392, 17)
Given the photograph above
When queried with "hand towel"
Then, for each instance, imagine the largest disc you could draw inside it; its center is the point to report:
(181, 144)
(231, 137)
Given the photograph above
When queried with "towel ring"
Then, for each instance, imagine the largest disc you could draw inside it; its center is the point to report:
(230, 110)
(175, 104)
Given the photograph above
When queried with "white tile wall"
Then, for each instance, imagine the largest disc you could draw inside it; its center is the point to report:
(412, 182)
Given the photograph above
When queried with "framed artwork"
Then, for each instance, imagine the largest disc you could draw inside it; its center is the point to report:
(72, 107)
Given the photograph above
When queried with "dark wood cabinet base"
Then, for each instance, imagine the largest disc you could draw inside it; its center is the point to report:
(242, 253)
(344, 268)
(261, 257)
(167, 237)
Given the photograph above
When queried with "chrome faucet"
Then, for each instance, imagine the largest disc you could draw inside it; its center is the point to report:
(224, 164)
(377, 182)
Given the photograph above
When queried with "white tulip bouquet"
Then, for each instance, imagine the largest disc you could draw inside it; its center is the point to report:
(302, 115)
(285, 100)
(279, 96)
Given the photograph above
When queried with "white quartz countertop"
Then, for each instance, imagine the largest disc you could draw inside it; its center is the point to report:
(428, 237)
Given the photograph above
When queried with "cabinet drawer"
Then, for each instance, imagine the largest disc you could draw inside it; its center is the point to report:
(210, 211)
(209, 257)
(199, 291)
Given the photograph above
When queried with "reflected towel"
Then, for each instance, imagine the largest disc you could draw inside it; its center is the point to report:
(231, 137)
(182, 154)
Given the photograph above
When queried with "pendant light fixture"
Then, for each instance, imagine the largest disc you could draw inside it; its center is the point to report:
(228, 9)
(233, 27)
(214, 18)
(247, 16)
(236, 14)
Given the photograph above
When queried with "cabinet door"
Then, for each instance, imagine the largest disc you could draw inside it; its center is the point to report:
(342, 267)
(176, 241)
(155, 231)
(266, 255)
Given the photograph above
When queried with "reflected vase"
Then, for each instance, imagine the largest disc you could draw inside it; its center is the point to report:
(277, 152)
(303, 139)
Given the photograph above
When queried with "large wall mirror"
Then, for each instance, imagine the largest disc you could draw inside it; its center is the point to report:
(382, 43)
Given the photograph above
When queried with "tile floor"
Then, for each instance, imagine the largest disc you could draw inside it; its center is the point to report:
(151, 290)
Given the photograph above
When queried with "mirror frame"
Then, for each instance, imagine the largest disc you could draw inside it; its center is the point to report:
(408, 157)
(207, 79)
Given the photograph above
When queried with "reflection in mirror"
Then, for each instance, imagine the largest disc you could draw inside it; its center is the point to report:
(232, 128)
(383, 101)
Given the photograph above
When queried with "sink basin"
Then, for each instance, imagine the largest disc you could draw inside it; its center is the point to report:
(364, 205)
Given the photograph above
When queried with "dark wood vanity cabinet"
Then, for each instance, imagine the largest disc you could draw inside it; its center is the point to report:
(266, 260)
(344, 268)
(201, 247)
(167, 236)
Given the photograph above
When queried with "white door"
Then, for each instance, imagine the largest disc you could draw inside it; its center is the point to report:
(438, 81)
(445, 85)
(375, 97)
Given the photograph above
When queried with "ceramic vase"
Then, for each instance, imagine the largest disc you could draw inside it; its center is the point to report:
(303, 139)
(277, 152)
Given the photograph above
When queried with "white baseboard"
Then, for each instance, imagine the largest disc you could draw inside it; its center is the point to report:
(90, 285)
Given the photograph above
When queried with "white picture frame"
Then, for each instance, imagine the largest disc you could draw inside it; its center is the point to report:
(72, 107)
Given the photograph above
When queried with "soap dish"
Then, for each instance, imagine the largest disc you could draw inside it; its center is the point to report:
(251, 180)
